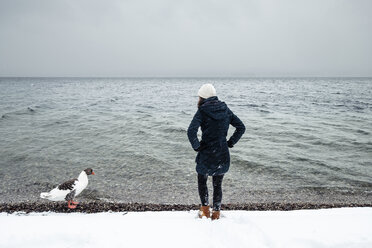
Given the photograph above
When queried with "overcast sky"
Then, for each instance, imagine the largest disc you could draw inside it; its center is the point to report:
(185, 38)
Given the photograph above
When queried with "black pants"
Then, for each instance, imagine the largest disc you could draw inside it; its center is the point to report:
(217, 191)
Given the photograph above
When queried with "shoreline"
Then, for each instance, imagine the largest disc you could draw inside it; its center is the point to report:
(99, 206)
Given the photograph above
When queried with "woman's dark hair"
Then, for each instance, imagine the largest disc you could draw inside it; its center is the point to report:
(201, 101)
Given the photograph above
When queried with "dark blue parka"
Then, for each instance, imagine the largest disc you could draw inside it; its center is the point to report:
(214, 118)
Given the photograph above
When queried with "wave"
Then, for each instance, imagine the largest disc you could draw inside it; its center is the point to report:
(42, 185)
(358, 183)
(363, 145)
(255, 167)
(252, 105)
(93, 194)
(185, 113)
(55, 123)
(333, 144)
(265, 111)
(25, 111)
(362, 132)
(175, 130)
(146, 106)
(357, 106)
(317, 163)
(330, 191)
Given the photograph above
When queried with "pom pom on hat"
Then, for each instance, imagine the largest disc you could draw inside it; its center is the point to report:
(206, 91)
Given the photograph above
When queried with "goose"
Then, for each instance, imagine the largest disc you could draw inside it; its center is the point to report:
(69, 189)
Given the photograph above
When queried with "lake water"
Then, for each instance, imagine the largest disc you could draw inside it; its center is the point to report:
(306, 140)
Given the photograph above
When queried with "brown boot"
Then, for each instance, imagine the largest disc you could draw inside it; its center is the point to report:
(215, 215)
(204, 211)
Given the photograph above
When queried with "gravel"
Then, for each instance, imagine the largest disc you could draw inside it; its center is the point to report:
(100, 206)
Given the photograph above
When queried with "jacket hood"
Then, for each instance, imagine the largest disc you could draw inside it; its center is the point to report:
(214, 108)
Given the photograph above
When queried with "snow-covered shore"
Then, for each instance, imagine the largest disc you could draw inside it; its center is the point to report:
(345, 227)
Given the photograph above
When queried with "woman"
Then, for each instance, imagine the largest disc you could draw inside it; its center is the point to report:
(213, 159)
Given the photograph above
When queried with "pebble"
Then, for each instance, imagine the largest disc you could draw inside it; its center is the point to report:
(101, 206)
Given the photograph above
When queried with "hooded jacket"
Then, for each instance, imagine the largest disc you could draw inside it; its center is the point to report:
(214, 118)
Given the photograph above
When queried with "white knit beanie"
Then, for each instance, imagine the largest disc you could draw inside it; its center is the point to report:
(206, 91)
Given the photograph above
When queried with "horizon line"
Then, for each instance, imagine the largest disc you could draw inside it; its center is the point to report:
(185, 76)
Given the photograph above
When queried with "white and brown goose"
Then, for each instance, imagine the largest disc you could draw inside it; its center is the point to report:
(69, 189)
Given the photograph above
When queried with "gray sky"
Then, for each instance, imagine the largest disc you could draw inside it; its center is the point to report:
(186, 38)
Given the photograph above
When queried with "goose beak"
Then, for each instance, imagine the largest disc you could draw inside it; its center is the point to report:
(93, 173)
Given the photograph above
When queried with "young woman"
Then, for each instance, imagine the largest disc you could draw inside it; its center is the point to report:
(213, 159)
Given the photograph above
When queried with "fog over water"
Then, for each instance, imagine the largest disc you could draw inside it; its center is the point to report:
(185, 38)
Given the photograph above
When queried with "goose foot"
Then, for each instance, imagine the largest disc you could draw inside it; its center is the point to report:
(70, 206)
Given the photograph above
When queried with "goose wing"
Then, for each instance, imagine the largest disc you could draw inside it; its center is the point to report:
(68, 185)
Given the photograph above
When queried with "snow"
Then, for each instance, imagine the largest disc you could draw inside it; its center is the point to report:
(344, 227)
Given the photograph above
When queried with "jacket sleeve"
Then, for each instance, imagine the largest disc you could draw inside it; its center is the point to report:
(240, 128)
(192, 131)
